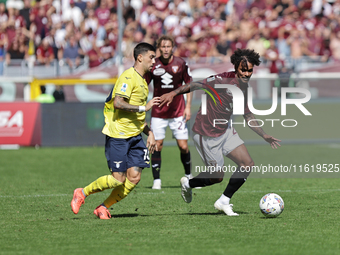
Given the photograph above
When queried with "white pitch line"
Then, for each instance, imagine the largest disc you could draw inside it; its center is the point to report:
(168, 192)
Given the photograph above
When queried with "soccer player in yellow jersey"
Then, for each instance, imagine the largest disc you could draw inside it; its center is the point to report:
(125, 150)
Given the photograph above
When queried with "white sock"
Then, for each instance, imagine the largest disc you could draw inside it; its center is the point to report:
(189, 176)
(224, 200)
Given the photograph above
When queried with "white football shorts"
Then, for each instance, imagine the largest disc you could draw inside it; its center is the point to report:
(177, 125)
(213, 149)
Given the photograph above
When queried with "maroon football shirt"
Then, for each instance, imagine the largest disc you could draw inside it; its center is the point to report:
(167, 78)
(204, 124)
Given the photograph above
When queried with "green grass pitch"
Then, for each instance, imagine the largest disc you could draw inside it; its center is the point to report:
(36, 188)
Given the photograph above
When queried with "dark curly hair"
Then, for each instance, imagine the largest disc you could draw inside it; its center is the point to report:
(243, 56)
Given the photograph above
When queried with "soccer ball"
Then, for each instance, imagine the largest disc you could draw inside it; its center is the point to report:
(271, 205)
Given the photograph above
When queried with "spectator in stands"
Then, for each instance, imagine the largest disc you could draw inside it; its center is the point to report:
(73, 13)
(90, 5)
(45, 54)
(91, 21)
(25, 13)
(128, 41)
(81, 4)
(103, 15)
(257, 44)
(325, 51)
(71, 53)
(16, 52)
(94, 56)
(54, 16)
(272, 58)
(107, 51)
(239, 8)
(223, 46)
(39, 25)
(13, 9)
(111, 28)
(129, 13)
(3, 15)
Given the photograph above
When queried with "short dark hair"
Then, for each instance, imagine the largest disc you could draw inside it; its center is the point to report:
(243, 56)
(142, 48)
(165, 38)
(43, 89)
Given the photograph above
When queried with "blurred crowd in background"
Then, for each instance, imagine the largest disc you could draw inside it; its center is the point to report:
(69, 31)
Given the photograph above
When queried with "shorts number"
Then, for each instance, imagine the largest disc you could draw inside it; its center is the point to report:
(181, 125)
(146, 154)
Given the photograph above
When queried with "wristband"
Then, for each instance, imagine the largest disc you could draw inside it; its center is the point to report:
(141, 109)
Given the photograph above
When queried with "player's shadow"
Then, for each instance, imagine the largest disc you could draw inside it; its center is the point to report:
(132, 215)
(212, 213)
(126, 215)
(268, 218)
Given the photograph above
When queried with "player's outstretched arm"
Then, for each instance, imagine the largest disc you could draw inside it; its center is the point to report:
(121, 104)
(274, 143)
(150, 142)
(187, 88)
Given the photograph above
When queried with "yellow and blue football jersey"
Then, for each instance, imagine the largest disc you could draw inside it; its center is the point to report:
(124, 124)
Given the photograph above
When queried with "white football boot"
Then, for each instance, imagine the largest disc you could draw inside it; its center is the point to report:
(157, 184)
(227, 209)
(186, 192)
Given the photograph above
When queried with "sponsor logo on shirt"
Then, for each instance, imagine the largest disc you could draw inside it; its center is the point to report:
(159, 71)
(167, 86)
(167, 80)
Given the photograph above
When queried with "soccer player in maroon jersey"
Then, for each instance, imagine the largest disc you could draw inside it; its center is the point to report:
(169, 73)
(213, 142)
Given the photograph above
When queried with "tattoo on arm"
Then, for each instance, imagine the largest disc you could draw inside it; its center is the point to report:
(187, 88)
(121, 104)
(254, 124)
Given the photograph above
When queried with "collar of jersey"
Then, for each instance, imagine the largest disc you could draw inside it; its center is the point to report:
(137, 72)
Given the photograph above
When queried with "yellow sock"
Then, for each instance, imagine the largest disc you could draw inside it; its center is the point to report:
(102, 183)
(119, 193)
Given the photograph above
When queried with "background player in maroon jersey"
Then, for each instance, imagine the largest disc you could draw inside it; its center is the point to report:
(169, 73)
(213, 142)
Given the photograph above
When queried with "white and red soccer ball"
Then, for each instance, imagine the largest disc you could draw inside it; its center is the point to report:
(271, 205)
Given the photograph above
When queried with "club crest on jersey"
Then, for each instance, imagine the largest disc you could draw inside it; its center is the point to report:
(159, 71)
(117, 163)
(124, 87)
(175, 69)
